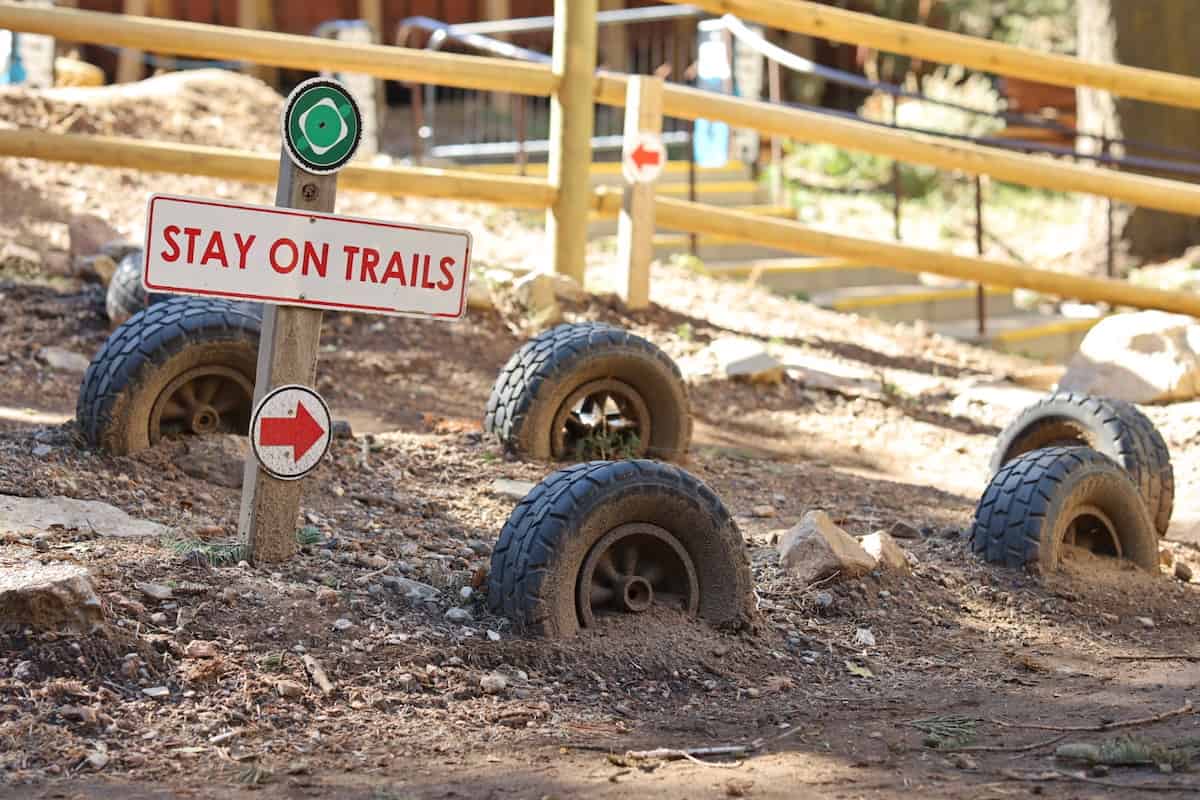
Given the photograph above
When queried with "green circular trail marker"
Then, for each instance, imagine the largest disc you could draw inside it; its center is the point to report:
(322, 126)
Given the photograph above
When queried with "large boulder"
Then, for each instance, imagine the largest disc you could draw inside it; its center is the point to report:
(817, 549)
(1142, 357)
(49, 596)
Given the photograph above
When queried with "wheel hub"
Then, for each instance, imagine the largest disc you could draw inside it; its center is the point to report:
(204, 400)
(606, 419)
(632, 569)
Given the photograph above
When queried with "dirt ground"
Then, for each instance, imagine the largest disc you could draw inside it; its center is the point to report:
(970, 678)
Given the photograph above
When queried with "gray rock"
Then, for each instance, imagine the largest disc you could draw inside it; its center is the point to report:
(157, 692)
(44, 513)
(64, 360)
(158, 618)
(25, 671)
(407, 682)
(902, 530)
(1145, 622)
(42, 450)
(466, 592)
(342, 624)
(1183, 572)
(817, 549)
(458, 615)
(823, 600)
(746, 359)
(1141, 357)
(479, 547)
(515, 490)
(155, 591)
(50, 596)
(493, 683)
(413, 590)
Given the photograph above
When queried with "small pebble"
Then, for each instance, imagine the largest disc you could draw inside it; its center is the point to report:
(342, 624)
(493, 683)
(1145, 622)
(466, 592)
(493, 636)
(156, 692)
(458, 615)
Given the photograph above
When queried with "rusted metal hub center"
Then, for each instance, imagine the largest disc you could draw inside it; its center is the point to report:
(606, 418)
(632, 569)
(203, 400)
(1091, 529)
(633, 593)
(205, 419)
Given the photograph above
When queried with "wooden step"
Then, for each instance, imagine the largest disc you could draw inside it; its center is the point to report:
(899, 303)
(1044, 337)
(809, 276)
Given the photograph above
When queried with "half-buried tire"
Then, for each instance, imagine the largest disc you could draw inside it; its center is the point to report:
(185, 365)
(1046, 500)
(1112, 427)
(619, 537)
(590, 390)
(126, 295)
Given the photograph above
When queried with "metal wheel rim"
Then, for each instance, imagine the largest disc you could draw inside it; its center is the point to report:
(203, 400)
(1092, 515)
(611, 577)
(602, 407)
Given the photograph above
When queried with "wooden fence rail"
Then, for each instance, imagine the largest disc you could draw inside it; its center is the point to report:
(209, 41)
(827, 22)
(214, 41)
(241, 165)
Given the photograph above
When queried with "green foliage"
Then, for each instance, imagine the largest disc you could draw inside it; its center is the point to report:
(1039, 24)
(607, 445)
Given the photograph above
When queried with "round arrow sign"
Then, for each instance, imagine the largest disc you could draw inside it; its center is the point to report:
(290, 432)
(644, 158)
(322, 126)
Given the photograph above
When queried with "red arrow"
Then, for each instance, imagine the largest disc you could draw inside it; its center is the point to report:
(300, 432)
(643, 156)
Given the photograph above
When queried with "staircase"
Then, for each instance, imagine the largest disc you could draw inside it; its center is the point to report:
(836, 284)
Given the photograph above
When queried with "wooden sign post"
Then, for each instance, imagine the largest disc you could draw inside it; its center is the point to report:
(643, 159)
(321, 130)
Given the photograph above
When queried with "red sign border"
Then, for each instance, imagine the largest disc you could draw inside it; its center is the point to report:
(291, 301)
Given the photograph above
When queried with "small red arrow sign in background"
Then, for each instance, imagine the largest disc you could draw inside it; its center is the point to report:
(643, 156)
(300, 432)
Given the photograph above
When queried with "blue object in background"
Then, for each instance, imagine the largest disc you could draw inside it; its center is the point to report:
(13, 70)
(710, 144)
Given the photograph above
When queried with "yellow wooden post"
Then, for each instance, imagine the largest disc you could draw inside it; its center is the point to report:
(571, 124)
(635, 226)
(129, 62)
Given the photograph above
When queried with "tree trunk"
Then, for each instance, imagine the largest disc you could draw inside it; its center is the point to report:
(1156, 34)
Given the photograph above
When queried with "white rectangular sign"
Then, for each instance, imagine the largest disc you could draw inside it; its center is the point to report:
(304, 258)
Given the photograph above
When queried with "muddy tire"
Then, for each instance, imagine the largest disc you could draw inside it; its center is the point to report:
(1056, 496)
(611, 537)
(1113, 427)
(590, 390)
(185, 365)
(126, 295)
